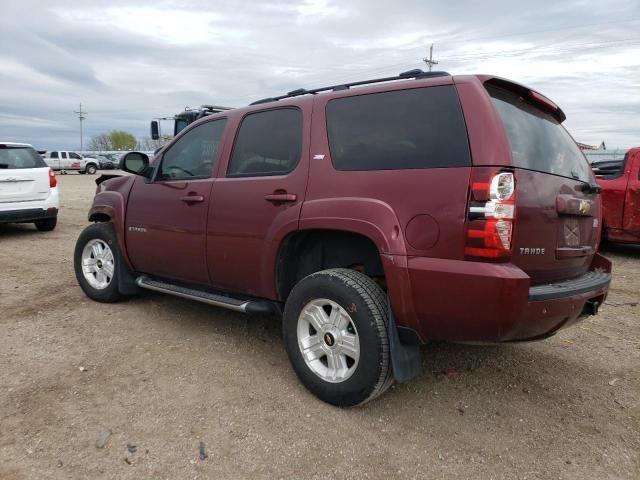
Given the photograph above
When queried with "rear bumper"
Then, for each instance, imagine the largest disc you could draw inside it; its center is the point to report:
(482, 302)
(27, 215)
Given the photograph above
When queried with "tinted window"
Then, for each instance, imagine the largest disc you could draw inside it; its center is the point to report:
(193, 155)
(268, 143)
(20, 157)
(54, 154)
(63, 154)
(75, 155)
(538, 141)
(417, 128)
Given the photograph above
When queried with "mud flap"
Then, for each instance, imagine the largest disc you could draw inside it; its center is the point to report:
(126, 281)
(405, 356)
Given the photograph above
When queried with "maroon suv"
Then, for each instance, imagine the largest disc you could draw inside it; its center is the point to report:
(373, 216)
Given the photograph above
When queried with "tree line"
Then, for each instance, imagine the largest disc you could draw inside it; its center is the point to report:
(121, 140)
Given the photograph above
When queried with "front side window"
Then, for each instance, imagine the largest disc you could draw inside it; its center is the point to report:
(268, 143)
(403, 129)
(194, 154)
(75, 155)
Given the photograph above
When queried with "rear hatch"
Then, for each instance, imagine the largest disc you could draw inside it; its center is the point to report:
(557, 217)
(24, 176)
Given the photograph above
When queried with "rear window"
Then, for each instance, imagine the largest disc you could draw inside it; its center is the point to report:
(404, 129)
(20, 157)
(538, 142)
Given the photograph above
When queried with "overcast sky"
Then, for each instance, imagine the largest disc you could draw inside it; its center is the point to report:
(128, 62)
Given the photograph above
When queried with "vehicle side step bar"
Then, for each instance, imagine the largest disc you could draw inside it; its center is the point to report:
(263, 307)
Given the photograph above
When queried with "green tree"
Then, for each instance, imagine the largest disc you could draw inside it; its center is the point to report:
(121, 140)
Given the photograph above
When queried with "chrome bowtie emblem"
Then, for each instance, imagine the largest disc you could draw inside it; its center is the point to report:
(585, 207)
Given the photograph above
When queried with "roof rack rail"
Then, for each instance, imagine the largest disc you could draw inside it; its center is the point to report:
(416, 73)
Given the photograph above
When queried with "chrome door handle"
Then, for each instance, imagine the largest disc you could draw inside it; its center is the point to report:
(281, 197)
(193, 198)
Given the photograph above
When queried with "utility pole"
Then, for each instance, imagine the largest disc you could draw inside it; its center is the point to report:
(81, 117)
(430, 61)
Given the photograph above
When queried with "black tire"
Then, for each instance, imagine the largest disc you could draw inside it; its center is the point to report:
(106, 233)
(46, 224)
(91, 169)
(366, 304)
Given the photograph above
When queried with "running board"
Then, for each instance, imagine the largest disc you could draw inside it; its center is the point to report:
(230, 303)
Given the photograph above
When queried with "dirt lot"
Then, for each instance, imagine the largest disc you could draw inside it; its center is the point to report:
(164, 374)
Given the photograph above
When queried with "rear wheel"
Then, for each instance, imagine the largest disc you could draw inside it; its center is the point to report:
(95, 262)
(336, 338)
(46, 224)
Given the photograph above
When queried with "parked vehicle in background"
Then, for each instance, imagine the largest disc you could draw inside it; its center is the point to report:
(418, 207)
(620, 183)
(28, 187)
(105, 163)
(183, 119)
(62, 160)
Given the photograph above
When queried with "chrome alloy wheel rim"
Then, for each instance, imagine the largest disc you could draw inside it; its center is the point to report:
(98, 264)
(328, 340)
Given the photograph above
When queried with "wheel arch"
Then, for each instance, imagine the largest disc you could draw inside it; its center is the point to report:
(109, 206)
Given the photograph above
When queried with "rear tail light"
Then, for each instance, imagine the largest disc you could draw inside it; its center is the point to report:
(52, 179)
(491, 216)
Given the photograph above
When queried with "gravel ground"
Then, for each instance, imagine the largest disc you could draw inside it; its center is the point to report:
(175, 389)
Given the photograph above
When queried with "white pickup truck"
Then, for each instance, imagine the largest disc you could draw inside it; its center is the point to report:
(65, 160)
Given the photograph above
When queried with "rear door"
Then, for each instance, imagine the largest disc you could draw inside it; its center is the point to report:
(24, 176)
(632, 196)
(557, 223)
(258, 200)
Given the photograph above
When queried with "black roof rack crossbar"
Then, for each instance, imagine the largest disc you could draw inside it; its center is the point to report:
(416, 73)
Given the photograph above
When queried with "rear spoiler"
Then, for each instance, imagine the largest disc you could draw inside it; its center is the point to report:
(531, 96)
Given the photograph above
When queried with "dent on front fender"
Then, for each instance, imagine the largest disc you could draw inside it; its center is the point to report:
(109, 204)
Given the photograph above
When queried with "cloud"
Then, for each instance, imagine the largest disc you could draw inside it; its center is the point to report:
(128, 62)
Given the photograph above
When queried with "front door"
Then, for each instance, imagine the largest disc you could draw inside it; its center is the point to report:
(258, 197)
(166, 217)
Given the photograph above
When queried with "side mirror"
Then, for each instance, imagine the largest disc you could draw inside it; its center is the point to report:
(134, 162)
(155, 130)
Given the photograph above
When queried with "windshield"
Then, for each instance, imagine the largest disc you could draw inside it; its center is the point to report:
(20, 157)
(538, 141)
(181, 124)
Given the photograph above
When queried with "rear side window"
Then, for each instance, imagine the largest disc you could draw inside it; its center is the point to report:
(538, 142)
(268, 143)
(20, 157)
(404, 129)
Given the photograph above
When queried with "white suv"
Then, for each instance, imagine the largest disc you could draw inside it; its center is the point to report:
(28, 187)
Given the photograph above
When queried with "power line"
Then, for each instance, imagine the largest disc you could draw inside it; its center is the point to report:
(81, 117)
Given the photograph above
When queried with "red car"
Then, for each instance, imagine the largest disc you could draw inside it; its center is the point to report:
(373, 216)
(620, 182)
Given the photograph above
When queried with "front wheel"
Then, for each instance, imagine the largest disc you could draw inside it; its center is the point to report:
(91, 169)
(335, 334)
(96, 259)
